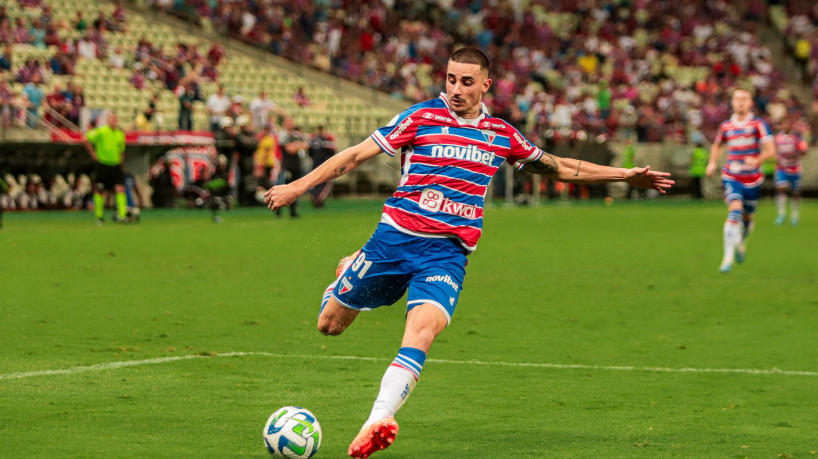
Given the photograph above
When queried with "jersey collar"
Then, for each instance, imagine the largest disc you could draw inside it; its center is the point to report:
(471, 122)
(740, 124)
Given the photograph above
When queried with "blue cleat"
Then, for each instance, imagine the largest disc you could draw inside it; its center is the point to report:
(726, 267)
(779, 220)
(741, 254)
(794, 221)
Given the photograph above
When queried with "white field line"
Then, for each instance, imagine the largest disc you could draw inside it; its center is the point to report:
(553, 366)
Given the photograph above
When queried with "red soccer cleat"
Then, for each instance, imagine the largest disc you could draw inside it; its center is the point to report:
(374, 438)
(344, 263)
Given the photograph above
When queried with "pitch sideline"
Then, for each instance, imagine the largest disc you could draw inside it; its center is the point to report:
(554, 366)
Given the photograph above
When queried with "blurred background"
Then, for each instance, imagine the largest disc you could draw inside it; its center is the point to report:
(196, 83)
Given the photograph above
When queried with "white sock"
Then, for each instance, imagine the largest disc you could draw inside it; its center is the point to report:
(396, 385)
(732, 236)
(781, 203)
(794, 204)
(398, 381)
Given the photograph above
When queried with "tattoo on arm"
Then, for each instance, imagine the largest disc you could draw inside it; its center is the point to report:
(578, 164)
(340, 171)
(547, 165)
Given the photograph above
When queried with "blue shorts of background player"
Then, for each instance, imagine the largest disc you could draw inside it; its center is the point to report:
(392, 262)
(789, 181)
(735, 190)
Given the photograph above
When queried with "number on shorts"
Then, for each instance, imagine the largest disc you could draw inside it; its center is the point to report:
(361, 260)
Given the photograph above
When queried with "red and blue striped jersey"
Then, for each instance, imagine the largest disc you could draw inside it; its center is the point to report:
(446, 165)
(790, 149)
(743, 139)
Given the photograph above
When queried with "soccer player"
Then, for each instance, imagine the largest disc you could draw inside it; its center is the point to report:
(322, 147)
(749, 143)
(133, 197)
(107, 146)
(450, 149)
(293, 145)
(791, 147)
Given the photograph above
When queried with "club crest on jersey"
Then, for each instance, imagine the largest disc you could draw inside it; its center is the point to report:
(435, 201)
(488, 135)
(345, 286)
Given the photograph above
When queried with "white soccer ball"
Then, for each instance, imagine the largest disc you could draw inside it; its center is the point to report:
(292, 432)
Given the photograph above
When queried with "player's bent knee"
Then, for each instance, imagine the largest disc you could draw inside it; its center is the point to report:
(423, 324)
(329, 327)
(334, 318)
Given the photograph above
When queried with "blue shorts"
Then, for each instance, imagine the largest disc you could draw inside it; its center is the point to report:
(789, 181)
(735, 190)
(432, 269)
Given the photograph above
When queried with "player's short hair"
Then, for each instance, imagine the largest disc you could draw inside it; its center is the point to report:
(470, 55)
(749, 92)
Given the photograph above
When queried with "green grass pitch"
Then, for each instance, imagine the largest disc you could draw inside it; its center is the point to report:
(605, 302)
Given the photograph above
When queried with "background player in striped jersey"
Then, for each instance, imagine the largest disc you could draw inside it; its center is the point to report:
(749, 143)
(450, 148)
(791, 147)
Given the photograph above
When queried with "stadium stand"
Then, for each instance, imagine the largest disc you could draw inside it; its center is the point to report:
(563, 70)
(797, 24)
(123, 63)
(601, 68)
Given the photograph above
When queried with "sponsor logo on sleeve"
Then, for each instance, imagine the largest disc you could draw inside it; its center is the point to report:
(524, 143)
(400, 128)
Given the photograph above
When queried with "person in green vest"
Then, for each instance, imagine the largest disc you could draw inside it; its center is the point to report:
(603, 99)
(628, 162)
(698, 169)
(4, 188)
(768, 169)
(107, 146)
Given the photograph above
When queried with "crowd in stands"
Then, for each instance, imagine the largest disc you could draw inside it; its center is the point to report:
(614, 68)
(46, 33)
(184, 67)
(648, 70)
(32, 192)
(801, 37)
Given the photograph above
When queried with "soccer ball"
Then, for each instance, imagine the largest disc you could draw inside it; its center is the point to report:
(292, 432)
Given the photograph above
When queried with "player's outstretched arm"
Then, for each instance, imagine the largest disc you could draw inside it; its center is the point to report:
(338, 165)
(715, 154)
(583, 172)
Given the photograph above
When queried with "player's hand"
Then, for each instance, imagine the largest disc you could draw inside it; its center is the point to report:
(643, 177)
(711, 169)
(281, 196)
(750, 163)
